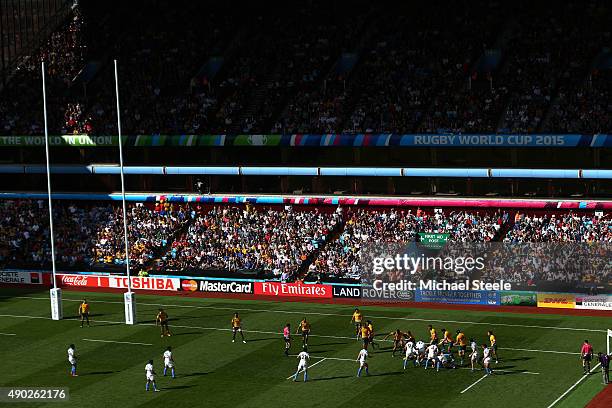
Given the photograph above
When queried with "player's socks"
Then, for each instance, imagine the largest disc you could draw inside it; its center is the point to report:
(359, 372)
(305, 376)
(147, 387)
(405, 362)
(367, 371)
(173, 375)
(165, 370)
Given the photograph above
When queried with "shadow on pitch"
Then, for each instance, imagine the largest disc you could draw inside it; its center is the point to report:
(95, 324)
(518, 359)
(261, 339)
(331, 344)
(331, 378)
(100, 373)
(197, 374)
(384, 374)
(178, 387)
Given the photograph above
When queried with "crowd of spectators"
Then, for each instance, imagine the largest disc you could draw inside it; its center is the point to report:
(332, 243)
(416, 70)
(148, 232)
(365, 228)
(84, 234)
(559, 228)
(234, 238)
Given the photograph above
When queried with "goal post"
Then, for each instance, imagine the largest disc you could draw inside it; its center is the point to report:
(609, 341)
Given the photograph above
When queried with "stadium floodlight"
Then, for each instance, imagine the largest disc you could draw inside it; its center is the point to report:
(55, 293)
(128, 297)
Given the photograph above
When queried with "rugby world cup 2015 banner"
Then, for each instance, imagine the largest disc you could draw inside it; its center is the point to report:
(316, 291)
(216, 286)
(601, 302)
(462, 297)
(319, 140)
(556, 300)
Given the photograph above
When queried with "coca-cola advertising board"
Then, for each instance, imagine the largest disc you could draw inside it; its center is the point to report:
(83, 281)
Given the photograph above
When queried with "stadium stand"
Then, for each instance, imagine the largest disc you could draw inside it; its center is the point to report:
(323, 243)
(518, 69)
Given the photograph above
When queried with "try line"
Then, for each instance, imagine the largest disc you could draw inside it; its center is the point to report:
(585, 376)
(265, 332)
(324, 314)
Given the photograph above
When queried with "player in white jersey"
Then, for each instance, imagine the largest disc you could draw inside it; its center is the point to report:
(432, 353)
(150, 374)
(169, 362)
(474, 354)
(304, 357)
(486, 359)
(420, 349)
(72, 360)
(411, 353)
(362, 359)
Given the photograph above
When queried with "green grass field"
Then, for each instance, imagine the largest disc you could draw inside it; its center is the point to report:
(213, 371)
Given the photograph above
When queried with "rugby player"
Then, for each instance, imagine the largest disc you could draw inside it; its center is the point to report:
(304, 327)
(356, 319)
(162, 320)
(84, 312)
(237, 328)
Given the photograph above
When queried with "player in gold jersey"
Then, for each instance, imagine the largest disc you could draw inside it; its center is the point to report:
(398, 340)
(84, 312)
(304, 327)
(162, 320)
(461, 342)
(357, 319)
(493, 341)
(433, 336)
(237, 328)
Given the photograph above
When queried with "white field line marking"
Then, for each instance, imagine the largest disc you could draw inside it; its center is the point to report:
(473, 384)
(119, 342)
(539, 351)
(260, 332)
(572, 387)
(301, 371)
(7, 334)
(460, 368)
(328, 314)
